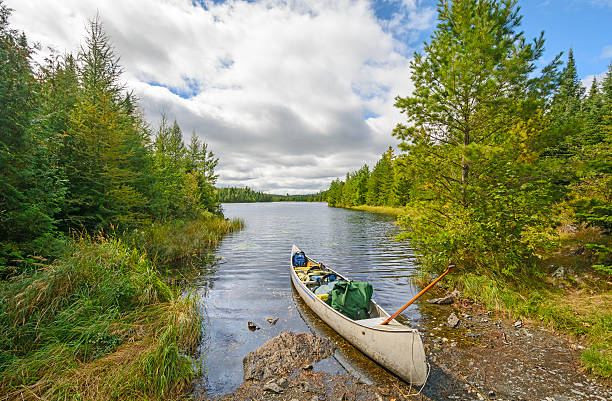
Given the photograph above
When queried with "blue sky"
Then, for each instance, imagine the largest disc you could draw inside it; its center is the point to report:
(585, 25)
(289, 94)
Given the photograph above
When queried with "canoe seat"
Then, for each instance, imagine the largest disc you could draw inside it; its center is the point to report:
(374, 321)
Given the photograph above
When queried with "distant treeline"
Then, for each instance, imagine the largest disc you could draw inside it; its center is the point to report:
(246, 195)
(387, 184)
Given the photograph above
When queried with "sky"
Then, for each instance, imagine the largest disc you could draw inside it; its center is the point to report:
(288, 94)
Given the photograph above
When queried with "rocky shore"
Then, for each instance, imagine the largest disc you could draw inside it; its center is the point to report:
(474, 354)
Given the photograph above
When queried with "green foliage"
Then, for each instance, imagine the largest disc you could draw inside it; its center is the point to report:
(31, 191)
(387, 185)
(481, 195)
(76, 153)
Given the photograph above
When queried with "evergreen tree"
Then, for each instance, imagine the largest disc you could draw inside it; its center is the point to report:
(105, 135)
(170, 166)
(475, 113)
(566, 112)
(202, 163)
(31, 189)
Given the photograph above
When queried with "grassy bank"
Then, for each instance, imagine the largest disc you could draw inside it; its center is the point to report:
(391, 210)
(179, 240)
(102, 322)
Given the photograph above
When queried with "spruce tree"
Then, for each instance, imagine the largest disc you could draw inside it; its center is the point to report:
(31, 189)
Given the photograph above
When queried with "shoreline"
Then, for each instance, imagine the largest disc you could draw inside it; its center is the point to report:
(390, 210)
(485, 356)
(108, 319)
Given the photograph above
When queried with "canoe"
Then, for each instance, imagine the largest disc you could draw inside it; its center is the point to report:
(395, 346)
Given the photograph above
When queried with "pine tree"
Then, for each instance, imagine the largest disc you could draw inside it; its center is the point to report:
(474, 115)
(30, 185)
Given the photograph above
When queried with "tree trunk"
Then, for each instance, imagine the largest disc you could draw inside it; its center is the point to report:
(465, 169)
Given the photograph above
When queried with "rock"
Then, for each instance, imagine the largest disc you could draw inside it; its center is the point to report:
(447, 300)
(491, 393)
(315, 398)
(518, 324)
(252, 326)
(284, 383)
(284, 352)
(452, 320)
(472, 334)
(272, 387)
(308, 366)
(272, 320)
(560, 272)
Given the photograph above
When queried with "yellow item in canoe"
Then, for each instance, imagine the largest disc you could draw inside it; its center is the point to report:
(323, 297)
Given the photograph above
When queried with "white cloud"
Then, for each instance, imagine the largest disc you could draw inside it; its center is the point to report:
(587, 81)
(290, 94)
(606, 52)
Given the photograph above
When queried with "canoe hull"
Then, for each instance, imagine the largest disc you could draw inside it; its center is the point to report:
(394, 346)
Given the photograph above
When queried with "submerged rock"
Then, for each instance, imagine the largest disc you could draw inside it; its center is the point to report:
(272, 320)
(252, 326)
(283, 353)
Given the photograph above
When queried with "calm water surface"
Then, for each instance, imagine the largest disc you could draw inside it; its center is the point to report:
(250, 281)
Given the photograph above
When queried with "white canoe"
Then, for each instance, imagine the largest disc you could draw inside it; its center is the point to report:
(394, 346)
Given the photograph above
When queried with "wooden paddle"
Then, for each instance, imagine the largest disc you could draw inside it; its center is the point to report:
(423, 291)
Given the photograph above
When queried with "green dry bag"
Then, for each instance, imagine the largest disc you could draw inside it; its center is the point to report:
(351, 298)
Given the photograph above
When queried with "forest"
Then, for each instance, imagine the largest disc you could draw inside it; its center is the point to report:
(505, 170)
(95, 206)
(247, 195)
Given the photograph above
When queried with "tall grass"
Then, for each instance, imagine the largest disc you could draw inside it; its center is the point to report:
(99, 323)
(178, 239)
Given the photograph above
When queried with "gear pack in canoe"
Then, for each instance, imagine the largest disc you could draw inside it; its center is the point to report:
(351, 298)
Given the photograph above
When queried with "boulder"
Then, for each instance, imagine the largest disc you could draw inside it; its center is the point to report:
(283, 353)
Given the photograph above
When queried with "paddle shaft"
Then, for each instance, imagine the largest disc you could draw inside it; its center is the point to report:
(423, 291)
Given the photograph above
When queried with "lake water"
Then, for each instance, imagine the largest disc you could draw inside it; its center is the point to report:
(250, 282)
